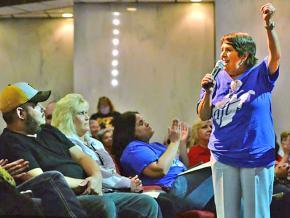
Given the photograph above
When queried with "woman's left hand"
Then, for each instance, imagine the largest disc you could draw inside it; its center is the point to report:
(268, 11)
(136, 184)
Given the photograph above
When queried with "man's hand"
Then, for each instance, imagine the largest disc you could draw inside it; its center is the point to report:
(136, 184)
(16, 169)
(92, 185)
(3, 162)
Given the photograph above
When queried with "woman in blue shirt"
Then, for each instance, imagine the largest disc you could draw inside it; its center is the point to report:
(242, 143)
(159, 164)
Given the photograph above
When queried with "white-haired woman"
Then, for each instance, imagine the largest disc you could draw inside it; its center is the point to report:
(71, 117)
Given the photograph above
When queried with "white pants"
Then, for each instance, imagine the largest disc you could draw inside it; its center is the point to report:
(242, 192)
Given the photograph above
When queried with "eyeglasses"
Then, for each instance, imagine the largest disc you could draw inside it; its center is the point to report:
(82, 113)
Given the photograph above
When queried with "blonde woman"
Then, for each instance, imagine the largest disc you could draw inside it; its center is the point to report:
(71, 117)
(198, 151)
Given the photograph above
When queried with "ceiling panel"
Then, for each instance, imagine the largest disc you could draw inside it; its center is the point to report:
(60, 10)
(32, 7)
(34, 10)
(10, 10)
(58, 3)
(32, 15)
(156, 1)
(55, 8)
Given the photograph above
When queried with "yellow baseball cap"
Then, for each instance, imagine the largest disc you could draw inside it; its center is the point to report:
(19, 93)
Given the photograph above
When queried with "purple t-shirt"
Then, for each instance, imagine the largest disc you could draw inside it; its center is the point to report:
(243, 133)
(138, 155)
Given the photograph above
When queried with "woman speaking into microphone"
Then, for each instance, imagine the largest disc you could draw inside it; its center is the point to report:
(242, 142)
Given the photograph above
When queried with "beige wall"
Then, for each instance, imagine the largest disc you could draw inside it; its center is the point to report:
(164, 51)
(164, 54)
(244, 16)
(38, 51)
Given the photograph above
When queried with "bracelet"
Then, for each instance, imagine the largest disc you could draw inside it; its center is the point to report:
(270, 26)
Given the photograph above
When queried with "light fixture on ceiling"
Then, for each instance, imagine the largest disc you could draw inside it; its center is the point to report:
(132, 9)
(116, 13)
(67, 15)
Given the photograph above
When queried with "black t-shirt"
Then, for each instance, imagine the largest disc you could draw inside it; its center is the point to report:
(105, 121)
(48, 151)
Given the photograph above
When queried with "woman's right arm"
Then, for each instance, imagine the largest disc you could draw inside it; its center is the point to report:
(160, 168)
(204, 109)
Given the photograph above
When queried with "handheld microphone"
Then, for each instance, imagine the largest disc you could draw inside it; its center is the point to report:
(217, 68)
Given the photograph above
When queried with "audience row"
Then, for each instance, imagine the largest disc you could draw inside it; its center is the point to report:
(81, 166)
(63, 157)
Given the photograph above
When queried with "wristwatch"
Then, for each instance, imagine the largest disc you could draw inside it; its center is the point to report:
(270, 26)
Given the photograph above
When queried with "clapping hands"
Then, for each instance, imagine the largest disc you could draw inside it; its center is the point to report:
(178, 131)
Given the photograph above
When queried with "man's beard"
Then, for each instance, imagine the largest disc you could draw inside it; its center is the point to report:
(31, 125)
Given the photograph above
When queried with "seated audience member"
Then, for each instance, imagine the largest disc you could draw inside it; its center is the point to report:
(282, 163)
(71, 118)
(73, 109)
(198, 151)
(48, 111)
(282, 180)
(105, 113)
(285, 141)
(94, 128)
(57, 199)
(48, 149)
(156, 164)
(106, 137)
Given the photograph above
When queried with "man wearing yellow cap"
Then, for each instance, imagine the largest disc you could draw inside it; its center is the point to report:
(57, 198)
(47, 149)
